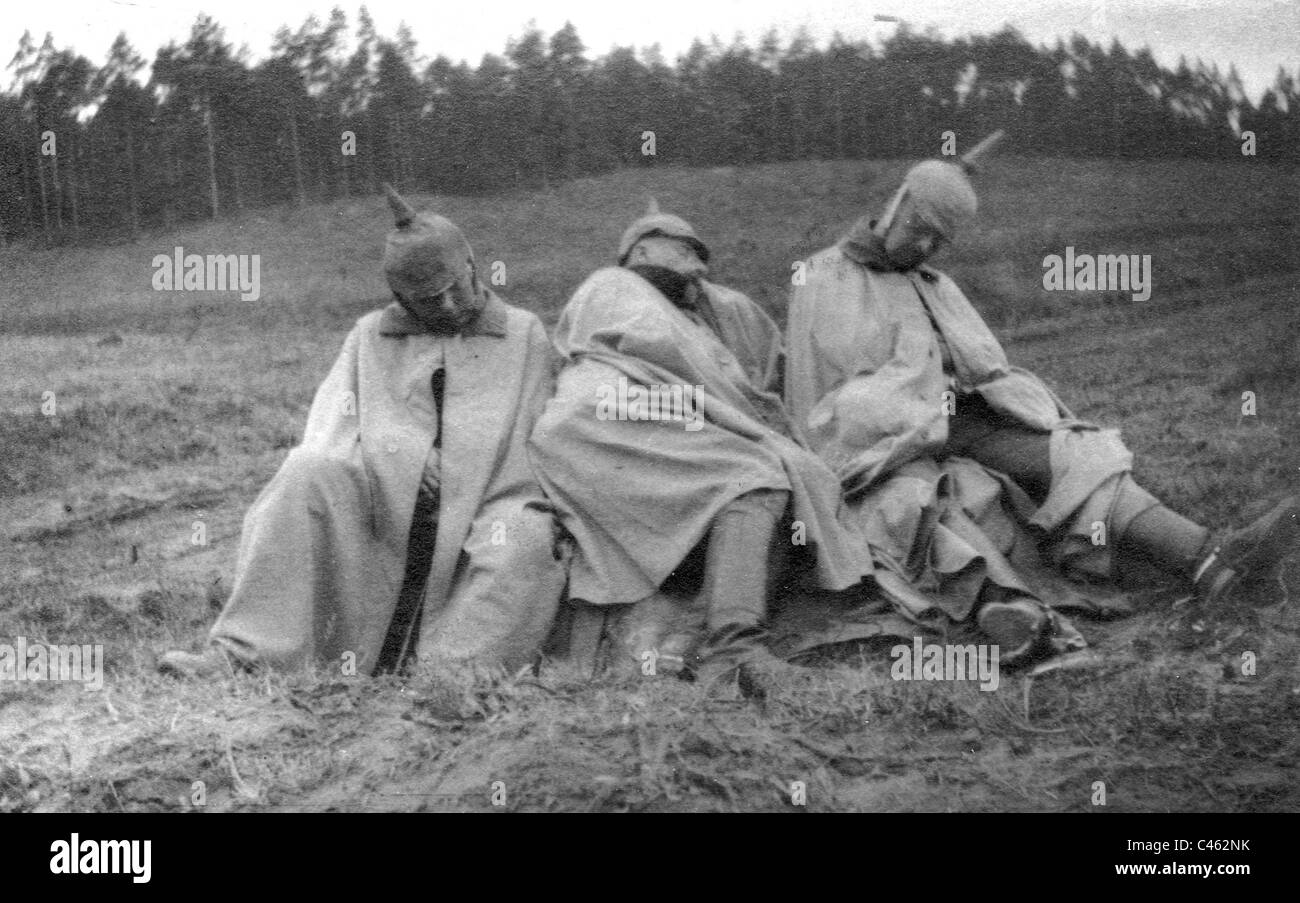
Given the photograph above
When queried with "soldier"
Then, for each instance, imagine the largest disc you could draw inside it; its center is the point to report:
(909, 398)
(408, 522)
(639, 490)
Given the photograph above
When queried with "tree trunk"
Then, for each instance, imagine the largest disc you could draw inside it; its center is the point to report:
(212, 158)
(395, 156)
(58, 192)
(370, 157)
(29, 202)
(72, 191)
(301, 195)
(132, 190)
(169, 180)
(403, 164)
(45, 198)
(238, 184)
(797, 126)
(839, 125)
(325, 187)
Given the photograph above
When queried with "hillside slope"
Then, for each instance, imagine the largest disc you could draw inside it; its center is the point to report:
(172, 409)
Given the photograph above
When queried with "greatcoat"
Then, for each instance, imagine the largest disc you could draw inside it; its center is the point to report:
(324, 546)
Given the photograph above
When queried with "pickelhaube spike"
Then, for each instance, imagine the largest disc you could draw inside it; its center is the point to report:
(969, 161)
(403, 213)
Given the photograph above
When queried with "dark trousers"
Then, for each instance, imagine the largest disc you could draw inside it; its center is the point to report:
(998, 442)
(1142, 527)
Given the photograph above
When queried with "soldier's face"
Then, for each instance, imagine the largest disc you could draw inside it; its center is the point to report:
(672, 253)
(450, 310)
(910, 239)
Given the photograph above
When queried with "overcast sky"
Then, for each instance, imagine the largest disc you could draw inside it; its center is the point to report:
(1256, 35)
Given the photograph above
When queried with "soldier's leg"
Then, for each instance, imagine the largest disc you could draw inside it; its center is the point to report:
(1140, 525)
(736, 581)
(1000, 443)
(505, 593)
(297, 555)
(1017, 623)
(1247, 558)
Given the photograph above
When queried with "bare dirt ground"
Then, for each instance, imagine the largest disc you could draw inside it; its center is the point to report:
(172, 411)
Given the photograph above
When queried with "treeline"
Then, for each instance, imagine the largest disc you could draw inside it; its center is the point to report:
(90, 153)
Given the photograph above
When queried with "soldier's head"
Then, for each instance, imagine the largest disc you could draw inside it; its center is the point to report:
(660, 239)
(430, 268)
(934, 202)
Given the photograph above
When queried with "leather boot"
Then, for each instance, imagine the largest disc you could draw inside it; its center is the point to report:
(1248, 560)
(1150, 532)
(736, 586)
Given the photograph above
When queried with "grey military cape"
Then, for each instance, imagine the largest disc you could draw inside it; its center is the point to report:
(639, 495)
(323, 551)
(865, 380)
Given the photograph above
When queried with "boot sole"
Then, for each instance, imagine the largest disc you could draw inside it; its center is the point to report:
(1016, 627)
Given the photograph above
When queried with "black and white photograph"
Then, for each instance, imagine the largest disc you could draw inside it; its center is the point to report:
(841, 406)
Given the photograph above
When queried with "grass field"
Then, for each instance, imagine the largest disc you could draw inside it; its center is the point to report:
(171, 410)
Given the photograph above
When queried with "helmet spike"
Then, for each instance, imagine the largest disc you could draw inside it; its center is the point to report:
(969, 161)
(403, 213)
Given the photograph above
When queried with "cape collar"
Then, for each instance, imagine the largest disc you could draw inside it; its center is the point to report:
(862, 245)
